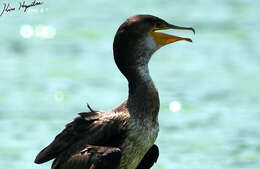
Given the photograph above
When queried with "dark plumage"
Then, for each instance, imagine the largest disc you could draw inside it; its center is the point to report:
(150, 158)
(122, 138)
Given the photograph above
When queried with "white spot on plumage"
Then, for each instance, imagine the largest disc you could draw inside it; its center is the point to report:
(150, 43)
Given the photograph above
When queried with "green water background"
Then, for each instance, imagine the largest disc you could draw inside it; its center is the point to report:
(45, 82)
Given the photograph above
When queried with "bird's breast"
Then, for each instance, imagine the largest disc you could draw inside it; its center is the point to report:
(141, 135)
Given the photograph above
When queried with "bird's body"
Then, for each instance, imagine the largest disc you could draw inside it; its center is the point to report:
(141, 137)
(122, 138)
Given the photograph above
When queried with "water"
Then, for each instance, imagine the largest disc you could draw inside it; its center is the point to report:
(215, 80)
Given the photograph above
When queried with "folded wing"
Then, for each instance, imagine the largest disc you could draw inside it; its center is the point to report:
(92, 157)
(72, 144)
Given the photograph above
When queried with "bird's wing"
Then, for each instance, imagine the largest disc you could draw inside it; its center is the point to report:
(87, 129)
(150, 158)
(92, 157)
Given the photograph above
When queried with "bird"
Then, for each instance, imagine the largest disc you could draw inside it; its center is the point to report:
(124, 137)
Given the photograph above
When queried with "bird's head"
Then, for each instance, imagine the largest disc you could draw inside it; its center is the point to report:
(137, 39)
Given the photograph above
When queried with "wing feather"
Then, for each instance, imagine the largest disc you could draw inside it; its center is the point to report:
(85, 129)
(91, 157)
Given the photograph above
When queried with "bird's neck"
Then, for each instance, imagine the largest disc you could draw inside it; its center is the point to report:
(143, 98)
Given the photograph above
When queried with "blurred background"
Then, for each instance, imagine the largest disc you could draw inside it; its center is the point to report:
(57, 57)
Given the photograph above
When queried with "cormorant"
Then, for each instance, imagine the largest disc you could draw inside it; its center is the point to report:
(122, 138)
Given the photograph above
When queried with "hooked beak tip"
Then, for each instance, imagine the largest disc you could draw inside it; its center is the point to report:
(193, 30)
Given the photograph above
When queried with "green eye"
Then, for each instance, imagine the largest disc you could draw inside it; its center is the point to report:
(158, 25)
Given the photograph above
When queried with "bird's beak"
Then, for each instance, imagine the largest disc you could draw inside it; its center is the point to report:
(164, 39)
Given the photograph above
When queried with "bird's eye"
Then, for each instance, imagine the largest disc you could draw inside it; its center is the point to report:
(158, 25)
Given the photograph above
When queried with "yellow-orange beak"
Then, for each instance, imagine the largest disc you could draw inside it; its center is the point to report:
(164, 39)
